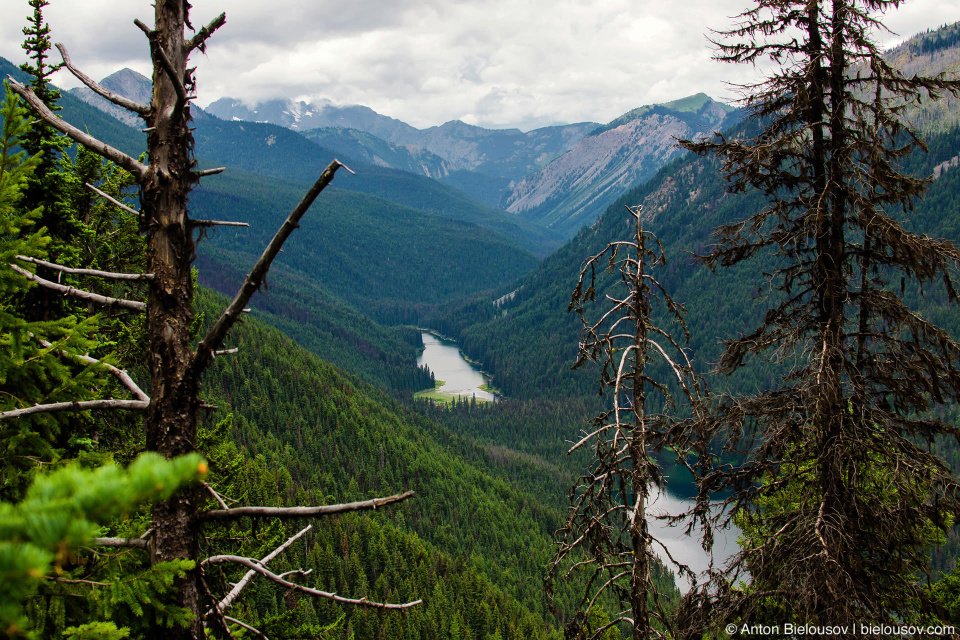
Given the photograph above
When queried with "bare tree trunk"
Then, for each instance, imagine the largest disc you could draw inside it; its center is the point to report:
(171, 420)
(640, 581)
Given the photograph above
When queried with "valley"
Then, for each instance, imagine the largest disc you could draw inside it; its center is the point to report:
(342, 391)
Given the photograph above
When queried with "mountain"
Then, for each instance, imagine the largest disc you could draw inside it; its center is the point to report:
(388, 260)
(276, 152)
(374, 150)
(529, 341)
(558, 177)
(127, 83)
(498, 153)
(573, 190)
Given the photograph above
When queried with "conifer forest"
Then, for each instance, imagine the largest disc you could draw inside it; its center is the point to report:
(717, 349)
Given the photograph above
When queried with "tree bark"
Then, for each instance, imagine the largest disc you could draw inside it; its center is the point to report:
(171, 420)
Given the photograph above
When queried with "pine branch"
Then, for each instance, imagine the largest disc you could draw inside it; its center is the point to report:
(303, 512)
(138, 169)
(120, 101)
(88, 272)
(227, 601)
(214, 338)
(256, 566)
(78, 293)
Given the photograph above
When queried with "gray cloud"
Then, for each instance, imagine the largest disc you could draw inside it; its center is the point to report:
(491, 62)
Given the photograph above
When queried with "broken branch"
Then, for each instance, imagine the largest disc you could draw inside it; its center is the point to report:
(88, 272)
(120, 101)
(116, 156)
(217, 223)
(198, 41)
(78, 293)
(202, 173)
(113, 200)
(303, 512)
(137, 543)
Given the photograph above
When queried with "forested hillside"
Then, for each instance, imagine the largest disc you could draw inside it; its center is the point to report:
(530, 341)
(388, 260)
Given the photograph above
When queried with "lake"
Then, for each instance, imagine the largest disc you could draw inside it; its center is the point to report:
(461, 379)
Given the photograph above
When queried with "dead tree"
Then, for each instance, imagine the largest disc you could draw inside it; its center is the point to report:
(175, 364)
(606, 536)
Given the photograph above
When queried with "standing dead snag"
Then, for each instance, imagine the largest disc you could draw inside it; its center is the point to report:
(606, 535)
(174, 365)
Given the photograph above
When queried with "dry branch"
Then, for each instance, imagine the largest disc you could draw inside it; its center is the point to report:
(202, 173)
(120, 101)
(137, 543)
(303, 512)
(198, 41)
(246, 626)
(120, 374)
(113, 200)
(88, 272)
(227, 601)
(256, 566)
(138, 169)
(217, 223)
(214, 338)
(78, 293)
(130, 405)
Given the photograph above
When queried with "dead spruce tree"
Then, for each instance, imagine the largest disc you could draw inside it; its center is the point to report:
(839, 473)
(606, 537)
(175, 363)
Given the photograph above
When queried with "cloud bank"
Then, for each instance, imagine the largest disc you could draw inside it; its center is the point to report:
(495, 63)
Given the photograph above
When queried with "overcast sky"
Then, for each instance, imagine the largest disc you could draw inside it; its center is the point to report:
(495, 63)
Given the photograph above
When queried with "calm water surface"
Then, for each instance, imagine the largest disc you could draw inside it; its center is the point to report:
(464, 379)
(461, 378)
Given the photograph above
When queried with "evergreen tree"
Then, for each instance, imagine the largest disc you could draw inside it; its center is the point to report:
(46, 188)
(175, 363)
(848, 425)
(32, 369)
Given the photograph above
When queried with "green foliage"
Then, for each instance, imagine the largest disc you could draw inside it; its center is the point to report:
(29, 372)
(389, 261)
(471, 542)
(64, 510)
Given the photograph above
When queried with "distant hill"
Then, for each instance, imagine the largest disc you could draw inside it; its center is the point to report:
(127, 83)
(573, 190)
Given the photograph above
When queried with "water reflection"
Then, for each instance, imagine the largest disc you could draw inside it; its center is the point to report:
(461, 379)
(687, 549)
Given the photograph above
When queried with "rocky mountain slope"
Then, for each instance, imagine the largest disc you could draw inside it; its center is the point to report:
(508, 153)
(573, 190)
